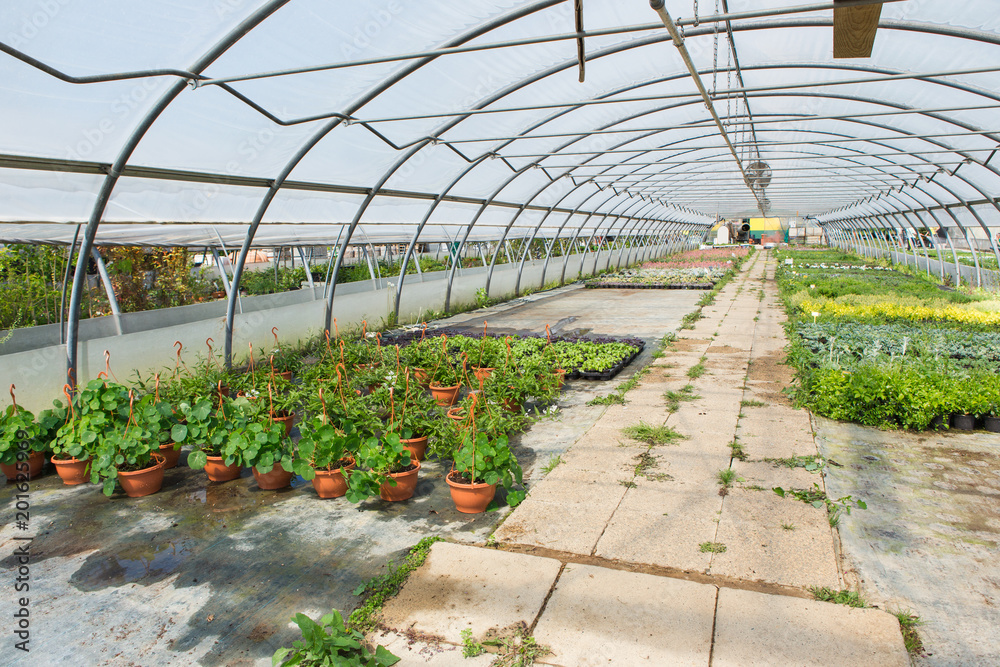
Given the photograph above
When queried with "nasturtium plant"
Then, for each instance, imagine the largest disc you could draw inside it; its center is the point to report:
(330, 642)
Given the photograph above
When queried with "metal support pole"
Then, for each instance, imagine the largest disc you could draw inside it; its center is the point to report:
(226, 285)
(305, 265)
(109, 289)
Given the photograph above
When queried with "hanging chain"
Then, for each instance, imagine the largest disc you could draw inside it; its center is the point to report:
(729, 84)
(695, 25)
(715, 52)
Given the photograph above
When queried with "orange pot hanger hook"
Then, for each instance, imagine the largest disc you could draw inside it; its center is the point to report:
(107, 365)
(211, 352)
(177, 364)
(12, 399)
(274, 332)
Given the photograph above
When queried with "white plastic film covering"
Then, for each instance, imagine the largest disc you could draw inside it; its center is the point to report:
(907, 129)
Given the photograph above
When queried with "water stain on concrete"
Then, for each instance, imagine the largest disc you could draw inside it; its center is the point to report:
(929, 539)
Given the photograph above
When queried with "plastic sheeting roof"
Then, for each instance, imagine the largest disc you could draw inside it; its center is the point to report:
(366, 123)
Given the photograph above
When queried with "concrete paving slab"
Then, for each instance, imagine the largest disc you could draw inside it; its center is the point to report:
(599, 490)
(769, 475)
(601, 458)
(567, 527)
(598, 616)
(461, 587)
(776, 432)
(775, 540)
(413, 652)
(758, 629)
(666, 529)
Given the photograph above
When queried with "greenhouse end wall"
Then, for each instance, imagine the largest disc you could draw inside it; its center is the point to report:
(35, 362)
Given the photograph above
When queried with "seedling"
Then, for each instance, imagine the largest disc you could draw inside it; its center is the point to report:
(788, 526)
(726, 477)
(712, 547)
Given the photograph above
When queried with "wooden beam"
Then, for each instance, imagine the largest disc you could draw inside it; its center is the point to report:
(854, 30)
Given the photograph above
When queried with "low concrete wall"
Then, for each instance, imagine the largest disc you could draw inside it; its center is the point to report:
(35, 361)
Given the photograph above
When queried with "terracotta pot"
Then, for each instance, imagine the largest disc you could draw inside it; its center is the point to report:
(332, 483)
(991, 423)
(560, 377)
(406, 483)
(963, 422)
(286, 419)
(470, 498)
(445, 395)
(482, 374)
(511, 405)
(286, 375)
(139, 483)
(72, 471)
(218, 471)
(36, 460)
(170, 455)
(422, 377)
(417, 447)
(278, 478)
(458, 414)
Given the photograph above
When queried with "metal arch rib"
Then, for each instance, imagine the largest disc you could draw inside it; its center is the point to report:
(104, 195)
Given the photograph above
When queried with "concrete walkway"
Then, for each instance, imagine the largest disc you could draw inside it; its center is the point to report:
(629, 553)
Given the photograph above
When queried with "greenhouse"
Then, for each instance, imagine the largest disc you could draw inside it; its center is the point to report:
(563, 332)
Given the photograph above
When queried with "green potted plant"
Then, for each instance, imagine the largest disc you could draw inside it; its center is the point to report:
(127, 453)
(480, 463)
(212, 431)
(284, 360)
(330, 453)
(445, 378)
(22, 450)
(270, 453)
(99, 408)
(409, 411)
(388, 470)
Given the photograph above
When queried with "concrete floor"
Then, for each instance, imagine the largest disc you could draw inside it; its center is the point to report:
(606, 562)
(930, 538)
(210, 574)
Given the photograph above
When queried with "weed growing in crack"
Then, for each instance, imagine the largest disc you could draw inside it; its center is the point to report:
(726, 477)
(737, 451)
(712, 547)
(753, 404)
(378, 590)
(653, 435)
(645, 462)
(698, 369)
(818, 498)
(788, 526)
(551, 465)
(845, 597)
(627, 483)
(811, 462)
(674, 398)
(908, 622)
(470, 647)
